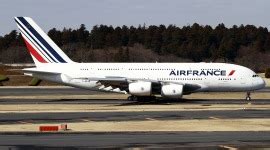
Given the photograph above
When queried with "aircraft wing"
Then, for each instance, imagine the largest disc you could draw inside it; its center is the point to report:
(114, 82)
(110, 83)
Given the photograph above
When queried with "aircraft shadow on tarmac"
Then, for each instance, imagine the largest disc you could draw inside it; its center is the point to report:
(157, 101)
(204, 102)
(154, 101)
(125, 102)
(176, 101)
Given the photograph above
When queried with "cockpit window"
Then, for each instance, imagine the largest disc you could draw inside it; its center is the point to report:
(255, 75)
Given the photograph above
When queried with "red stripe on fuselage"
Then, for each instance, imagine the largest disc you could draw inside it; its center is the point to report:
(34, 52)
(231, 73)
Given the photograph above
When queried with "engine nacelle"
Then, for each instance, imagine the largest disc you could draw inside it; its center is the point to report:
(172, 91)
(140, 88)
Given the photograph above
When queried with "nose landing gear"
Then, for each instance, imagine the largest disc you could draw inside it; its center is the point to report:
(248, 98)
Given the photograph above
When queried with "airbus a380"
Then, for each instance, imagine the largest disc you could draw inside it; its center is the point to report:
(140, 80)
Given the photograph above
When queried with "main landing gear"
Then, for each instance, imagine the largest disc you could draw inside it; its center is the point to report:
(132, 98)
(141, 98)
(248, 98)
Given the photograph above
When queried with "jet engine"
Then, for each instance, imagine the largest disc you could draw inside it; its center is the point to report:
(140, 88)
(172, 91)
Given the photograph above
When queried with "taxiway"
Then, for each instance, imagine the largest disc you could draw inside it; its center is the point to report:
(104, 120)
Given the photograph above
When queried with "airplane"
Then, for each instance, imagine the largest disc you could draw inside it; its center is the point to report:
(142, 81)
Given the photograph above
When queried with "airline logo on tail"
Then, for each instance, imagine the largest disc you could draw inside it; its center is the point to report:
(40, 46)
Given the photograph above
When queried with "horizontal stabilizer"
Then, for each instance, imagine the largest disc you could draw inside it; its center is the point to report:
(35, 70)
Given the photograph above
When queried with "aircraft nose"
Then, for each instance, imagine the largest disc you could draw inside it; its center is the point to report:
(261, 83)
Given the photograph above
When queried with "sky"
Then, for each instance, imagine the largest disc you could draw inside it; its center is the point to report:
(71, 13)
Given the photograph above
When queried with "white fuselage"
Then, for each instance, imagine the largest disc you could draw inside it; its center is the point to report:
(170, 80)
(209, 76)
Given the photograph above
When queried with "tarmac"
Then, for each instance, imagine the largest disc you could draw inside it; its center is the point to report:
(137, 140)
(104, 120)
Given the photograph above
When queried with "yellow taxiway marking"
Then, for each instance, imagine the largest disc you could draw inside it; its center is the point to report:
(24, 122)
(228, 147)
(214, 118)
(85, 120)
(151, 119)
